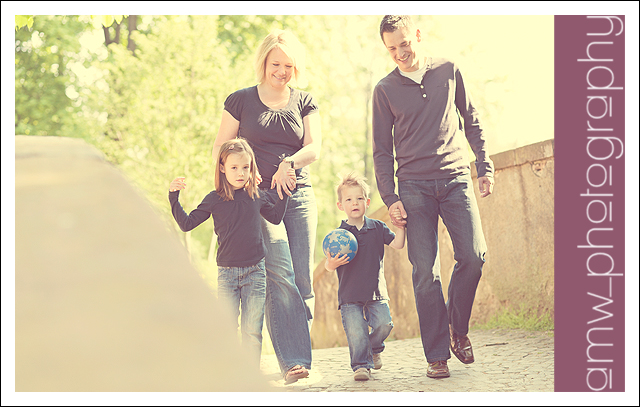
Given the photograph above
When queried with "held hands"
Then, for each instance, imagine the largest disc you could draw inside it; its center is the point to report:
(177, 184)
(333, 263)
(284, 179)
(397, 214)
(485, 184)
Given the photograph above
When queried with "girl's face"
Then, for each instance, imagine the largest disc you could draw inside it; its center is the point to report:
(237, 169)
(279, 68)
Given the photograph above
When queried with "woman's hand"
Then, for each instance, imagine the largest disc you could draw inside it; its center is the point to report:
(284, 179)
(177, 184)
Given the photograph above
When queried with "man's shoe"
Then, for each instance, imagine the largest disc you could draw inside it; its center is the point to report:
(377, 361)
(361, 374)
(437, 370)
(461, 347)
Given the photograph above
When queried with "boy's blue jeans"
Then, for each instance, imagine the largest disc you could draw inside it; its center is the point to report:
(245, 288)
(453, 200)
(357, 317)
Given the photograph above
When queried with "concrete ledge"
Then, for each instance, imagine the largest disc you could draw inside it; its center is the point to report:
(106, 297)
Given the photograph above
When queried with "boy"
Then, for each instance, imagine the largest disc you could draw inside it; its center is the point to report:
(362, 292)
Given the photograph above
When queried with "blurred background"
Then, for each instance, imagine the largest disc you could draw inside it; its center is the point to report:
(148, 91)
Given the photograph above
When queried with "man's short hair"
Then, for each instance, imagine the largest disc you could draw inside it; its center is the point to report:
(390, 24)
(353, 179)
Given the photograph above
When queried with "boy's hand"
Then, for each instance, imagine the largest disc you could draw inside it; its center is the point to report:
(333, 263)
(177, 184)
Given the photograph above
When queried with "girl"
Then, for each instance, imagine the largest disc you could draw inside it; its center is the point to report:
(236, 206)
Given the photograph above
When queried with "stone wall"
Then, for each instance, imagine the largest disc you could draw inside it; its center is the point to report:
(518, 221)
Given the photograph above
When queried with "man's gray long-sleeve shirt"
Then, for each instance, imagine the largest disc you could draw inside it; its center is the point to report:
(424, 123)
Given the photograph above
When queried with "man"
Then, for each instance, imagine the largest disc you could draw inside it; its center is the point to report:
(420, 109)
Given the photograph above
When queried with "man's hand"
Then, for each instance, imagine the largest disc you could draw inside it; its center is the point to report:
(397, 214)
(485, 184)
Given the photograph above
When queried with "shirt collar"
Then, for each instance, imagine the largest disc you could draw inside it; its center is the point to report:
(368, 224)
(406, 81)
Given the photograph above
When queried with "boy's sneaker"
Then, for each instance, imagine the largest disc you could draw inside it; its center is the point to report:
(361, 374)
(377, 361)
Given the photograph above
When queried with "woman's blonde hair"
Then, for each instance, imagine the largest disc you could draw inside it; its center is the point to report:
(289, 44)
(223, 188)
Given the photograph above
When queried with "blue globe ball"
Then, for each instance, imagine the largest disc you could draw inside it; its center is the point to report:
(340, 241)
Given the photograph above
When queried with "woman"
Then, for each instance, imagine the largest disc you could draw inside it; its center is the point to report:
(283, 127)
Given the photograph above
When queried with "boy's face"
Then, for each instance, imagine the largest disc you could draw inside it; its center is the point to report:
(353, 202)
(403, 48)
(237, 169)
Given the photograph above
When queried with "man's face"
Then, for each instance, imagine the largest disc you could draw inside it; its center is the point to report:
(402, 45)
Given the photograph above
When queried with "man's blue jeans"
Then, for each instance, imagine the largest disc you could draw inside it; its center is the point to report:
(453, 200)
(289, 262)
(245, 287)
(356, 319)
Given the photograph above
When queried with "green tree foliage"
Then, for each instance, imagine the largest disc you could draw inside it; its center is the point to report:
(45, 96)
(164, 106)
(155, 111)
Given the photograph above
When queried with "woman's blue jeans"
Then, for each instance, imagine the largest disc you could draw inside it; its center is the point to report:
(454, 201)
(245, 287)
(289, 263)
(357, 317)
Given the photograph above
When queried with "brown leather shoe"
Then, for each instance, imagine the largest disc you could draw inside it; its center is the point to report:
(438, 369)
(461, 347)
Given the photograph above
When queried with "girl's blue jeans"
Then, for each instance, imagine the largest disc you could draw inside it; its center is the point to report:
(357, 317)
(245, 288)
(453, 200)
(289, 263)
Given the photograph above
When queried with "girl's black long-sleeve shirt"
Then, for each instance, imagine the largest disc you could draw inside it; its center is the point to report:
(237, 223)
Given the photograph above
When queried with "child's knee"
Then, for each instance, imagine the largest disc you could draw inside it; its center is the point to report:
(385, 328)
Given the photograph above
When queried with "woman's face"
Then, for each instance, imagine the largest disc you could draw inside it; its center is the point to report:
(278, 68)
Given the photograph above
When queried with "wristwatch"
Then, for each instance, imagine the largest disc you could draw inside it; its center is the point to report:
(288, 160)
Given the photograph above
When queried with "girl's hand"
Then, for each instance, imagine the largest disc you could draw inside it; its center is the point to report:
(177, 184)
(284, 179)
(333, 263)
(258, 177)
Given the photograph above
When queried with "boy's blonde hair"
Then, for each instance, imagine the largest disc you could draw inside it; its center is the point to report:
(223, 188)
(353, 179)
(289, 44)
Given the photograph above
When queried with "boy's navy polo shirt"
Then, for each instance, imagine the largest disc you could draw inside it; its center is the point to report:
(362, 279)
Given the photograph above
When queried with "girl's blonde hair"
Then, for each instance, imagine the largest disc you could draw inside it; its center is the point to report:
(289, 44)
(223, 188)
(353, 179)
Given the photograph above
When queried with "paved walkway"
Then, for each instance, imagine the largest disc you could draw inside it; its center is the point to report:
(506, 361)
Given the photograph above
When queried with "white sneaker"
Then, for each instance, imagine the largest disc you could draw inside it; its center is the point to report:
(361, 374)
(377, 361)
